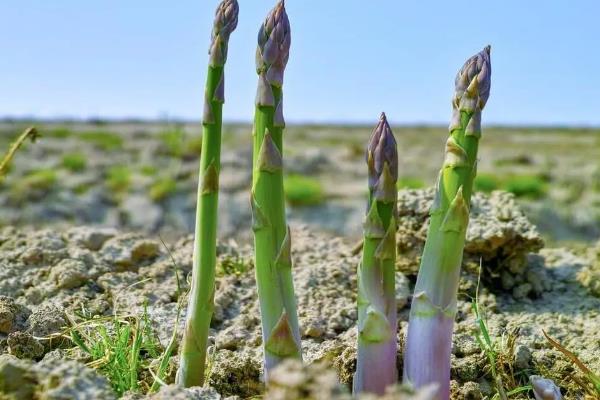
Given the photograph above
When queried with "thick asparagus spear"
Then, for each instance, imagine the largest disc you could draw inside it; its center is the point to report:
(272, 241)
(429, 337)
(377, 320)
(200, 306)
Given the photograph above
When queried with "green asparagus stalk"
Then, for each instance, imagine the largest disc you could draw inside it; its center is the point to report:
(200, 305)
(429, 337)
(377, 320)
(272, 240)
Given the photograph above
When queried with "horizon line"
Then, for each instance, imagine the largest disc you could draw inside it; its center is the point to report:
(100, 120)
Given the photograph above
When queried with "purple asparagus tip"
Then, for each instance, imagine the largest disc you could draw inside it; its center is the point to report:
(381, 150)
(226, 19)
(473, 80)
(274, 39)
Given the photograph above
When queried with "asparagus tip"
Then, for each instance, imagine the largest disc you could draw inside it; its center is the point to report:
(226, 19)
(381, 150)
(473, 82)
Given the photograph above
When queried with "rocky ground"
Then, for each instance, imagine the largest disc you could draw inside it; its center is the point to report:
(60, 286)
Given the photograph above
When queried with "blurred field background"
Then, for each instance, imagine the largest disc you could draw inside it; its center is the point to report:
(143, 175)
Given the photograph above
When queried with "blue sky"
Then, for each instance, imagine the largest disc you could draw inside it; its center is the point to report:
(350, 59)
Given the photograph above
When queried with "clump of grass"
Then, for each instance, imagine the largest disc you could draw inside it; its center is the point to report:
(162, 188)
(103, 140)
(118, 178)
(176, 143)
(193, 146)
(303, 191)
(173, 141)
(533, 186)
(38, 182)
(409, 182)
(122, 348)
(74, 162)
(486, 183)
(500, 355)
(528, 186)
(148, 170)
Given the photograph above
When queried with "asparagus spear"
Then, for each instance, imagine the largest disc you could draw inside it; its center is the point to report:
(377, 321)
(429, 337)
(272, 240)
(200, 306)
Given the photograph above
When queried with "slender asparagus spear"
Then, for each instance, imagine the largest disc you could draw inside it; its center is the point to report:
(377, 320)
(429, 337)
(200, 306)
(272, 241)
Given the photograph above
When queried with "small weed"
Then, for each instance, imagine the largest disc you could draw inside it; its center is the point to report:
(162, 188)
(74, 162)
(232, 265)
(486, 183)
(118, 178)
(120, 347)
(303, 191)
(408, 182)
(591, 382)
(103, 140)
(31, 134)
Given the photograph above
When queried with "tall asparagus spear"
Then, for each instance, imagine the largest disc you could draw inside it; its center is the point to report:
(272, 240)
(377, 321)
(200, 306)
(429, 337)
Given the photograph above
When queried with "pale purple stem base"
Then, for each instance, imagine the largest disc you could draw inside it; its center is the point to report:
(376, 367)
(427, 352)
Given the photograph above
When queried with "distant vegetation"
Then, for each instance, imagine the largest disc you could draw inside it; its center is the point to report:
(74, 162)
(303, 191)
(532, 186)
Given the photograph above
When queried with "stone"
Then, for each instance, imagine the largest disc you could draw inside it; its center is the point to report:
(69, 274)
(522, 357)
(91, 238)
(23, 345)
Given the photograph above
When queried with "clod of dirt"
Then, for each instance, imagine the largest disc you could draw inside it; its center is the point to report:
(234, 373)
(499, 235)
(52, 380)
(589, 276)
(90, 238)
(292, 380)
(12, 315)
(23, 345)
(129, 250)
(69, 274)
(174, 392)
(46, 320)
